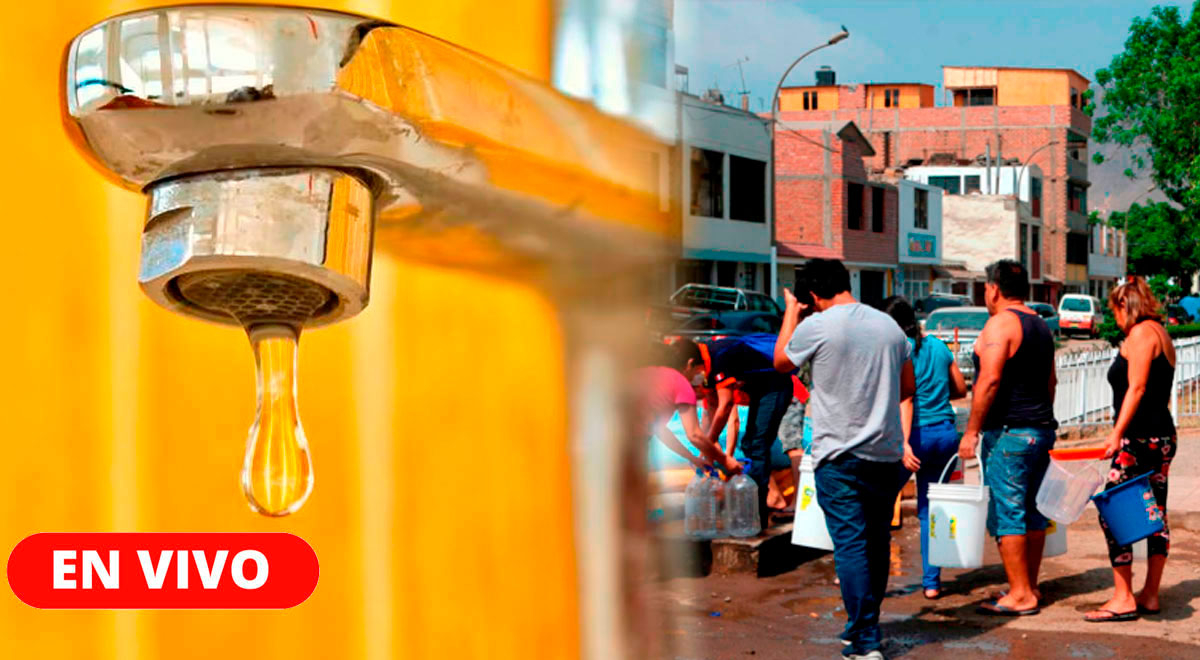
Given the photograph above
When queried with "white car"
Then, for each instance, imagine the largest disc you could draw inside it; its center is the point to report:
(1079, 313)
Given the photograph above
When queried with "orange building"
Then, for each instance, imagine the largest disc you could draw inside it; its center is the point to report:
(1018, 115)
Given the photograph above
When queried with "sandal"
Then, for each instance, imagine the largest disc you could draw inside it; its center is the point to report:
(1114, 617)
(1147, 610)
(993, 608)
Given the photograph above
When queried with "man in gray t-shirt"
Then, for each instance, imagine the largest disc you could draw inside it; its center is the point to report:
(861, 376)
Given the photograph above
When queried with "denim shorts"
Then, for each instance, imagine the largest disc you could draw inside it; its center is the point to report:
(1014, 463)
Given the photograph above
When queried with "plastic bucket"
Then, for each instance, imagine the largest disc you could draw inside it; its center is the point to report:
(1056, 540)
(809, 528)
(1130, 510)
(957, 522)
(1067, 487)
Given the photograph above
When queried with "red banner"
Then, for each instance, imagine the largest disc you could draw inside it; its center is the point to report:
(163, 571)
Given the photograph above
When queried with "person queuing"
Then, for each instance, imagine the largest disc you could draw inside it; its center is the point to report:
(933, 438)
(1142, 439)
(1013, 408)
(861, 373)
(738, 366)
(670, 388)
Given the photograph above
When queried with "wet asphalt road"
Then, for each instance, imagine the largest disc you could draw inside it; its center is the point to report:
(798, 614)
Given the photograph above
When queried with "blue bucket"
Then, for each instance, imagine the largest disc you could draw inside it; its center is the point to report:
(1130, 510)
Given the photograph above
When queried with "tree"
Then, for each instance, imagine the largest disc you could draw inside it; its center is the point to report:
(1161, 240)
(1152, 97)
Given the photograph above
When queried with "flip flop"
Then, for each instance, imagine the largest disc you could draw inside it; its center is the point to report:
(992, 608)
(1116, 617)
(1147, 610)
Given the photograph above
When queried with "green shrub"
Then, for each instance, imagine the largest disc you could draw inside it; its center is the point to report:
(1181, 331)
(1108, 329)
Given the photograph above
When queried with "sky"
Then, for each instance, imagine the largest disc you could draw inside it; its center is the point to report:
(892, 41)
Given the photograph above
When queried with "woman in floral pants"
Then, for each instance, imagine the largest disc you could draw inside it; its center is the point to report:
(1142, 440)
(1135, 458)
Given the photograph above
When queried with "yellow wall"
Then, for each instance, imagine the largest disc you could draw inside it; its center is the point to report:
(911, 96)
(792, 99)
(1018, 87)
(123, 417)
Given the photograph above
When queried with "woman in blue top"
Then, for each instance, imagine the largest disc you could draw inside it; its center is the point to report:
(933, 438)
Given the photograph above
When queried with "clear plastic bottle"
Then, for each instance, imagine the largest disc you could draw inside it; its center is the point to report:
(693, 521)
(741, 505)
(712, 498)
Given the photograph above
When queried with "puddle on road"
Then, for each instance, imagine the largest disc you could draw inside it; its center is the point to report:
(822, 606)
(984, 645)
(1090, 650)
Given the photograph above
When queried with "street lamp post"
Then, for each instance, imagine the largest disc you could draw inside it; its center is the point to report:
(774, 121)
(1025, 166)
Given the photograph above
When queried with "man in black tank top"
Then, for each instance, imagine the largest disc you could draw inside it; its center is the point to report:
(1012, 412)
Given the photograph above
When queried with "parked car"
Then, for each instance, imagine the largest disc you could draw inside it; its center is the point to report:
(691, 300)
(1177, 315)
(710, 298)
(1079, 313)
(959, 327)
(1048, 314)
(710, 326)
(924, 306)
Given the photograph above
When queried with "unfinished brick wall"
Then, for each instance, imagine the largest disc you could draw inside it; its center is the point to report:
(802, 164)
(1013, 132)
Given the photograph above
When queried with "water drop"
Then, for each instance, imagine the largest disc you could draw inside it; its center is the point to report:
(277, 473)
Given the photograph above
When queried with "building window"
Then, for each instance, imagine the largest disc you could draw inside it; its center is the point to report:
(1076, 198)
(891, 98)
(747, 189)
(971, 183)
(708, 182)
(948, 183)
(1035, 239)
(810, 100)
(877, 209)
(1075, 98)
(854, 205)
(1035, 197)
(1077, 248)
(982, 96)
(920, 208)
(693, 271)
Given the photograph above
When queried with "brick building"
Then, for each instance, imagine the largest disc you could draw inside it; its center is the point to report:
(1011, 113)
(828, 207)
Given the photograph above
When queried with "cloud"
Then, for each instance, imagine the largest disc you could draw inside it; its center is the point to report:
(711, 35)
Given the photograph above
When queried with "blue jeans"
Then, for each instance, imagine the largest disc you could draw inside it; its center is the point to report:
(769, 399)
(934, 445)
(1014, 464)
(857, 497)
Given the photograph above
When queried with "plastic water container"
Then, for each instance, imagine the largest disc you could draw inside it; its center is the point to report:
(741, 505)
(957, 521)
(809, 528)
(1130, 510)
(1056, 540)
(713, 505)
(693, 500)
(1070, 481)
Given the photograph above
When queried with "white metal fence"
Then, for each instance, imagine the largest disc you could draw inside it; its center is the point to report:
(1085, 398)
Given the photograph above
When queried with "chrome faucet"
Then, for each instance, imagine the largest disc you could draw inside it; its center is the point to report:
(278, 141)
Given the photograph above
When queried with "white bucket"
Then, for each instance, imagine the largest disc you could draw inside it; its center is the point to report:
(957, 522)
(809, 528)
(1056, 540)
